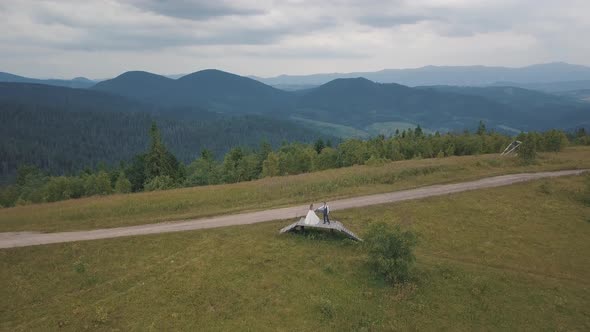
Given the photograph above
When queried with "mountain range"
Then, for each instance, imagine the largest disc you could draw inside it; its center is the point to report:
(355, 102)
(214, 90)
(548, 77)
(63, 128)
(78, 82)
(448, 75)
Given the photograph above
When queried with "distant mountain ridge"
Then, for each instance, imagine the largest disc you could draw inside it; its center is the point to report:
(448, 75)
(213, 89)
(353, 102)
(78, 82)
(548, 77)
(551, 87)
(356, 102)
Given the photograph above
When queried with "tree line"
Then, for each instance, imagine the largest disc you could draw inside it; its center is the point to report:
(158, 168)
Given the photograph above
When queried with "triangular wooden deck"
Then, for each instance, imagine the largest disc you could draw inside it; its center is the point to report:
(333, 225)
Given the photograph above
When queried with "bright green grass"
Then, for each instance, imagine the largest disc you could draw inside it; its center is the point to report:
(143, 208)
(508, 258)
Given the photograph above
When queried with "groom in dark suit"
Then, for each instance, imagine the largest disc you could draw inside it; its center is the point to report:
(326, 210)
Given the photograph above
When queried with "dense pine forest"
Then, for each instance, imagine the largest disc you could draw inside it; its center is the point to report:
(158, 168)
(62, 140)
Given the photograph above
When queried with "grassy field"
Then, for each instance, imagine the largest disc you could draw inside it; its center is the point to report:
(142, 208)
(518, 261)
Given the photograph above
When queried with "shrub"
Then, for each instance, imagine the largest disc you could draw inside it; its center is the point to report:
(546, 188)
(390, 252)
(326, 308)
(554, 140)
(103, 183)
(123, 185)
(527, 151)
(160, 182)
(375, 161)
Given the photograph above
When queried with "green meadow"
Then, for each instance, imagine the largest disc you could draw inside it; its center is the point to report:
(507, 258)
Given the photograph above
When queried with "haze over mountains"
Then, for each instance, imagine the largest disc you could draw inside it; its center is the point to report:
(361, 102)
(449, 75)
(60, 128)
(78, 82)
(550, 77)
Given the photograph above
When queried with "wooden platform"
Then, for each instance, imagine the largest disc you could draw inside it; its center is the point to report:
(333, 225)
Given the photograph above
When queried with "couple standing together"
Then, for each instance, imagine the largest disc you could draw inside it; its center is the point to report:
(313, 219)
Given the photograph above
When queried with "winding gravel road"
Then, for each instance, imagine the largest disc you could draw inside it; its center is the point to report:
(23, 239)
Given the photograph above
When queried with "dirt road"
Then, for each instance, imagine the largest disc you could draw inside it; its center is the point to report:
(23, 239)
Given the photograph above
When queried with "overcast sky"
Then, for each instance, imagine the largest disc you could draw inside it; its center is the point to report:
(101, 39)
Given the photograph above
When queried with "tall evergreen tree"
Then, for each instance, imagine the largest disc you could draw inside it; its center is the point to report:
(158, 160)
(481, 128)
(319, 145)
(418, 131)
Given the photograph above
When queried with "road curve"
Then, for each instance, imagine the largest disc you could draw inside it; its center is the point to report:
(23, 239)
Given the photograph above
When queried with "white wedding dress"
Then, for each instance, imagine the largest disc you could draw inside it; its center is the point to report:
(311, 218)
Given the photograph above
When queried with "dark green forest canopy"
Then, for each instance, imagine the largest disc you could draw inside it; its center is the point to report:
(62, 141)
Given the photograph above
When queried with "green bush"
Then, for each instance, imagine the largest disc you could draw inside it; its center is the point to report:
(123, 185)
(390, 252)
(160, 182)
(375, 161)
(527, 151)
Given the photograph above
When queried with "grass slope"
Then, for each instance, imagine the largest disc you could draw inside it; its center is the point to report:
(143, 208)
(514, 262)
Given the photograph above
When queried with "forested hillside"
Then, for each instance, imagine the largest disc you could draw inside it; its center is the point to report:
(78, 82)
(360, 102)
(67, 99)
(357, 102)
(64, 130)
(214, 90)
(530, 110)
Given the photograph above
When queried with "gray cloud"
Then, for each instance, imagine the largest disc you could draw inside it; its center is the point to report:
(194, 10)
(286, 36)
(387, 21)
(143, 30)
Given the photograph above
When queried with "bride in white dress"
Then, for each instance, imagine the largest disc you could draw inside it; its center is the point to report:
(311, 218)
